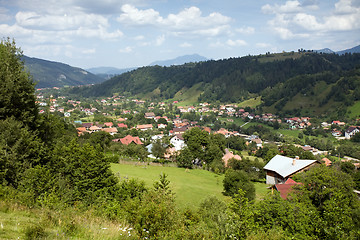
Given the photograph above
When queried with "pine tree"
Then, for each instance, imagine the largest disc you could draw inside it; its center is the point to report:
(17, 88)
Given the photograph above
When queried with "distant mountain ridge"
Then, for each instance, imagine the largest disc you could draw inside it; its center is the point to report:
(179, 60)
(108, 72)
(350, 50)
(48, 74)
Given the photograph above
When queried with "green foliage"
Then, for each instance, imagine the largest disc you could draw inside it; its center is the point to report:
(35, 232)
(131, 188)
(20, 149)
(254, 169)
(330, 191)
(296, 218)
(185, 158)
(241, 220)
(158, 149)
(196, 140)
(213, 213)
(135, 151)
(347, 167)
(162, 185)
(235, 180)
(293, 151)
(53, 129)
(154, 213)
(84, 172)
(321, 183)
(202, 147)
(356, 138)
(236, 143)
(17, 98)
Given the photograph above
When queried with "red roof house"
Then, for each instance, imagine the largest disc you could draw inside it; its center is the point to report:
(286, 188)
(129, 139)
(122, 125)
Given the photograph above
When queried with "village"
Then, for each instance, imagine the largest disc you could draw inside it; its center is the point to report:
(143, 122)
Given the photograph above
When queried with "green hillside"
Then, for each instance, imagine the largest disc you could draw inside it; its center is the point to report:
(288, 83)
(54, 74)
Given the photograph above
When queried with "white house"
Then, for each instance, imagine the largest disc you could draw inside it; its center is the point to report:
(351, 131)
(178, 142)
(280, 168)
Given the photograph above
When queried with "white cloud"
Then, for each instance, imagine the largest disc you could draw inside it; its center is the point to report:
(286, 34)
(185, 45)
(246, 30)
(139, 38)
(293, 20)
(307, 21)
(236, 43)
(4, 14)
(288, 7)
(263, 45)
(127, 49)
(59, 22)
(89, 51)
(59, 28)
(187, 22)
(134, 16)
(160, 40)
(344, 7)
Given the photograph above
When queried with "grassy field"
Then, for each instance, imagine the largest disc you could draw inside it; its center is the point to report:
(354, 110)
(261, 190)
(252, 102)
(191, 186)
(18, 222)
(289, 132)
(188, 97)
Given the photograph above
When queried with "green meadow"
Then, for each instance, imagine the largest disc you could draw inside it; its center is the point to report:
(191, 186)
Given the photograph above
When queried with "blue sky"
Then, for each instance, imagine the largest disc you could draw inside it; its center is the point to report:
(125, 33)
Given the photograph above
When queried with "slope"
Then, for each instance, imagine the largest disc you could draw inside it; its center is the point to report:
(54, 74)
(278, 78)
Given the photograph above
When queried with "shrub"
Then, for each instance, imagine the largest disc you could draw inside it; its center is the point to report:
(35, 232)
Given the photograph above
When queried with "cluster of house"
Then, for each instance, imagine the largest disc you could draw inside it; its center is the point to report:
(298, 122)
(230, 110)
(176, 140)
(336, 132)
(281, 169)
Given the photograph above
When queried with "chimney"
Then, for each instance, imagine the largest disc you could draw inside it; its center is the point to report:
(294, 160)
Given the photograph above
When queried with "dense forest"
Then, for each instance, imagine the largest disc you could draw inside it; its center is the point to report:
(286, 81)
(45, 165)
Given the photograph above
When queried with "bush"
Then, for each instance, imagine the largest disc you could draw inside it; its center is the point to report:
(235, 180)
(35, 232)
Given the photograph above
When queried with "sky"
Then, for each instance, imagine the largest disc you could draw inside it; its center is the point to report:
(134, 33)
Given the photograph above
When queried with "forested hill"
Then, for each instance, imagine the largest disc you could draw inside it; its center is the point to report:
(54, 74)
(234, 79)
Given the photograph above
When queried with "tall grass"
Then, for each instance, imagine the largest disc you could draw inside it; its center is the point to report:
(19, 222)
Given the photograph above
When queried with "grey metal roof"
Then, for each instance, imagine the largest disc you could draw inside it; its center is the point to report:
(284, 165)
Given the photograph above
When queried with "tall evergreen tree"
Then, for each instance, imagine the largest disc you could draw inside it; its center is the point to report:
(17, 88)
